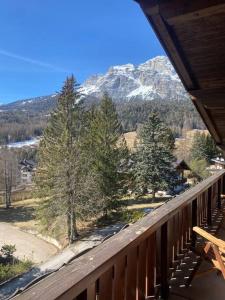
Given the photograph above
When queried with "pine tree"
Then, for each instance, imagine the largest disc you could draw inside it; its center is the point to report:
(154, 157)
(63, 180)
(107, 149)
(204, 148)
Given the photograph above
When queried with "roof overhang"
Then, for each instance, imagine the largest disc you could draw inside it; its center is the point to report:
(193, 36)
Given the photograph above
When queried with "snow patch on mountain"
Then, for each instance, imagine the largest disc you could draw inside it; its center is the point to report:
(154, 79)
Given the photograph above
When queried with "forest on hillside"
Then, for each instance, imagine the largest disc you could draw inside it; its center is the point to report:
(19, 124)
(178, 115)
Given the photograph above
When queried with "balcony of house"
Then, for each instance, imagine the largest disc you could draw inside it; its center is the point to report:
(151, 259)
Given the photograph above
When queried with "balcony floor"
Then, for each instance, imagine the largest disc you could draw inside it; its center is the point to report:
(208, 286)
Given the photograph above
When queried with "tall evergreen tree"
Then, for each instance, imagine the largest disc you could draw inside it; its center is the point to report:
(154, 157)
(204, 148)
(63, 179)
(107, 149)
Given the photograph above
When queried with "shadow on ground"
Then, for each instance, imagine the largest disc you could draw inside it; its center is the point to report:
(17, 214)
(143, 200)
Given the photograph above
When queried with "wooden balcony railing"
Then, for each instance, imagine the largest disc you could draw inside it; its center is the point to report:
(135, 264)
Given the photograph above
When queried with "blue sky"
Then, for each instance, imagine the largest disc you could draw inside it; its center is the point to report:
(43, 41)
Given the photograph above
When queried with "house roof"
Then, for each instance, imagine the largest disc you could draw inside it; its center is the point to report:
(193, 36)
(27, 165)
(218, 160)
(181, 164)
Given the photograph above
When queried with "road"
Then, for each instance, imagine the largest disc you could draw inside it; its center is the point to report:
(27, 245)
(57, 261)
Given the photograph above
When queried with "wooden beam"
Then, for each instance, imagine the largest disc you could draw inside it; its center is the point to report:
(169, 43)
(207, 120)
(182, 9)
(197, 14)
(209, 93)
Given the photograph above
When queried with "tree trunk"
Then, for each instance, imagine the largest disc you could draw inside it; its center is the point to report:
(8, 185)
(71, 226)
(153, 195)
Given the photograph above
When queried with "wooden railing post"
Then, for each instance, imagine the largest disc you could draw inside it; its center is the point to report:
(193, 222)
(164, 262)
(219, 195)
(209, 207)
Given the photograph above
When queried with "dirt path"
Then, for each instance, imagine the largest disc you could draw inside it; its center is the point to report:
(56, 262)
(27, 245)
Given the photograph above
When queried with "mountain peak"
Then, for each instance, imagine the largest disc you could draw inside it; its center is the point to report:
(126, 67)
(153, 79)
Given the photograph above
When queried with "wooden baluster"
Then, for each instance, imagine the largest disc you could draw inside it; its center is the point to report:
(199, 208)
(170, 243)
(176, 236)
(142, 265)
(158, 258)
(189, 222)
(223, 186)
(214, 200)
(151, 262)
(194, 221)
(180, 232)
(131, 275)
(209, 207)
(185, 227)
(219, 195)
(204, 208)
(91, 292)
(164, 263)
(200, 219)
(105, 285)
(206, 205)
(119, 279)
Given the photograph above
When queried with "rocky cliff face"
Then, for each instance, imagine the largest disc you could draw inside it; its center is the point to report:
(152, 80)
(155, 79)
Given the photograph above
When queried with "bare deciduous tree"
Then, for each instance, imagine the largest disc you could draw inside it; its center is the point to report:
(8, 174)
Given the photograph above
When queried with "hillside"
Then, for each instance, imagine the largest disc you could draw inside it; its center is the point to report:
(136, 90)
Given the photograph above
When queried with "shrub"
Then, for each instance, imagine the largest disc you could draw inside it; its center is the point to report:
(11, 270)
(8, 250)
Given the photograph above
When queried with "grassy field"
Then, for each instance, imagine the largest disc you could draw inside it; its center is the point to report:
(22, 214)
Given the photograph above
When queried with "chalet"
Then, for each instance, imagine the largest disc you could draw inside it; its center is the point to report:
(216, 165)
(182, 170)
(182, 167)
(27, 168)
(155, 257)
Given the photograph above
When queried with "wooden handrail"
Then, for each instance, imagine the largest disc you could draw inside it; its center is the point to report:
(85, 271)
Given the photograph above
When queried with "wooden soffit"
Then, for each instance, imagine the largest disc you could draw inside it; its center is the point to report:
(193, 36)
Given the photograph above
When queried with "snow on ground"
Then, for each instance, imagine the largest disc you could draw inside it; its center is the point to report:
(28, 143)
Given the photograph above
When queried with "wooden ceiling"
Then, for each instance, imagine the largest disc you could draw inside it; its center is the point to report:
(193, 36)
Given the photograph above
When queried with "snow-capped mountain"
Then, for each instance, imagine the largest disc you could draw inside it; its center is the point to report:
(152, 80)
(155, 79)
